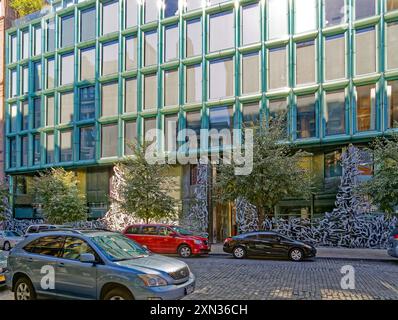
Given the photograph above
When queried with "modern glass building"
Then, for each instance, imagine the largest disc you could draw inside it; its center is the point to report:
(83, 77)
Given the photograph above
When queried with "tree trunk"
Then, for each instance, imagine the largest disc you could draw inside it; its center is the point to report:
(261, 217)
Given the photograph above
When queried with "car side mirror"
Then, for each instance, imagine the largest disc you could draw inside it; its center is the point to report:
(173, 234)
(87, 258)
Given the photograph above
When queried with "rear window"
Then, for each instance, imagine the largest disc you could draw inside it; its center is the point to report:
(149, 230)
(133, 230)
(250, 236)
(47, 246)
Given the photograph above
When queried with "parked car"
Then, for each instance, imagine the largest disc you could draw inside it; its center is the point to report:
(269, 244)
(3, 265)
(162, 238)
(393, 244)
(8, 239)
(93, 264)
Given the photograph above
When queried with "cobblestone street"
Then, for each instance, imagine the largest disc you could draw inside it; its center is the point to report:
(222, 277)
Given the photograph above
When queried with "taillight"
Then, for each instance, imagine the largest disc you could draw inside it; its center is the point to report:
(396, 236)
(228, 240)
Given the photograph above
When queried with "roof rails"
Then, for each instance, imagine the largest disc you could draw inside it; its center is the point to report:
(59, 229)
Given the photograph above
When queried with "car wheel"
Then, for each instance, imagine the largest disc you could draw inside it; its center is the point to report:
(184, 251)
(118, 294)
(239, 252)
(296, 254)
(24, 290)
(7, 246)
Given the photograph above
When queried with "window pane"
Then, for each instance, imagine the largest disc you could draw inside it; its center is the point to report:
(66, 107)
(251, 24)
(87, 143)
(334, 12)
(131, 95)
(109, 99)
(193, 122)
(365, 49)
(306, 122)
(277, 72)
(50, 35)
(109, 140)
(221, 31)
(50, 73)
(50, 148)
(193, 4)
(221, 118)
(36, 113)
(110, 17)
(13, 117)
(87, 64)
(13, 152)
(87, 103)
(392, 91)
(278, 111)
(87, 24)
(24, 151)
(151, 52)
(151, 10)
(171, 40)
(251, 115)
(130, 136)
(67, 67)
(50, 117)
(132, 7)
(193, 84)
(110, 54)
(335, 57)
(305, 63)
(335, 112)
(366, 108)
(392, 40)
(364, 8)
(170, 132)
(251, 73)
(13, 48)
(37, 44)
(221, 79)
(171, 8)
(25, 44)
(150, 91)
(25, 115)
(66, 146)
(14, 88)
(392, 5)
(25, 80)
(37, 75)
(36, 149)
(306, 15)
(149, 124)
(67, 25)
(194, 38)
(171, 88)
(332, 164)
(131, 53)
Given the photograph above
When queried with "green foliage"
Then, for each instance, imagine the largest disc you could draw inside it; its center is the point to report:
(383, 187)
(4, 198)
(56, 190)
(25, 7)
(277, 173)
(145, 188)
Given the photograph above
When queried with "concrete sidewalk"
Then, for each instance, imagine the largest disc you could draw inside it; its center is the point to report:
(334, 253)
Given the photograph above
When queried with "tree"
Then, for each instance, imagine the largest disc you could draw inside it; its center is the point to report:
(4, 199)
(383, 187)
(144, 192)
(277, 173)
(56, 192)
(25, 7)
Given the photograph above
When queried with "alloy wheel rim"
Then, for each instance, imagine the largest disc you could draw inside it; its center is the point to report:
(239, 252)
(185, 251)
(116, 298)
(296, 255)
(23, 292)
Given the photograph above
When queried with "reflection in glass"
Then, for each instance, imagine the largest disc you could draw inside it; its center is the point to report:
(66, 146)
(87, 143)
(193, 83)
(194, 37)
(335, 112)
(306, 121)
(365, 51)
(221, 78)
(221, 29)
(109, 140)
(87, 103)
(87, 24)
(110, 17)
(366, 107)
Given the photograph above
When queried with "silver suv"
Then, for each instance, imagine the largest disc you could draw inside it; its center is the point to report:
(93, 264)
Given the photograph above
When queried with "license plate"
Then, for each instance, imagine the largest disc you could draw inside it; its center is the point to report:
(2, 278)
(189, 289)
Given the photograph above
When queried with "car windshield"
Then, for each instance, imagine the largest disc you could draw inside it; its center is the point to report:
(11, 234)
(117, 247)
(182, 231)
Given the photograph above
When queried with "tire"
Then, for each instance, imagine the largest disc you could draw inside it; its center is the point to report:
(184, 251)
(239, 252)
(118, 294)
(24, 290)
(296, 254)
(7, 246)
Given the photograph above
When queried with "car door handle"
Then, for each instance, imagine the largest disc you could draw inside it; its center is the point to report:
(30, 259)
(61, 265)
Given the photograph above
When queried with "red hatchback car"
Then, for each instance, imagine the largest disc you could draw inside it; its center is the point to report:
(162, 238)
